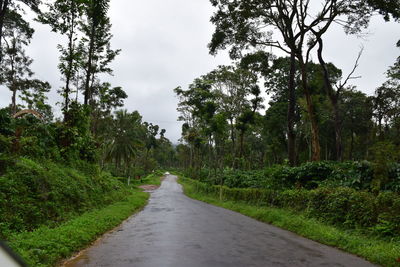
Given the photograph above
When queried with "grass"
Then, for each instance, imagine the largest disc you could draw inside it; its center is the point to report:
(151, 179)
(371, 248)
(47, 246)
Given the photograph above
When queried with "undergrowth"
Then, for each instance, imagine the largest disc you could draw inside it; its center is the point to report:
(46, 246)
(33, 193)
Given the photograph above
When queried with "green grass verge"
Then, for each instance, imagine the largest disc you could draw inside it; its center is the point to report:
(377, 251)
(151, 179)
(47, 246)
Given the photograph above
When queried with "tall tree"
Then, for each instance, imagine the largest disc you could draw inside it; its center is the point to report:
(7, 6)
(64, 17)
(250, 24)
(332, 78)
(96, 44)
(15, 68)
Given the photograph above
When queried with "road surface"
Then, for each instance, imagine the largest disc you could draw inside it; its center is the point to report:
(176, 231)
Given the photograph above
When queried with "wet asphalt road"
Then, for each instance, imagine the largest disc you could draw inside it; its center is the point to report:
(176, 231)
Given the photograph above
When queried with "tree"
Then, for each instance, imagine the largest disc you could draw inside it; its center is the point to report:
(331, 78)
(224, 99)
(107, 99)
(356, 110)
(232, 86)
(387, 8)
(7, 6)
(34, 98)
(95, 44)
(250, 24)
(124, 138)
(64, 17)
(387, 102)
(16, 73)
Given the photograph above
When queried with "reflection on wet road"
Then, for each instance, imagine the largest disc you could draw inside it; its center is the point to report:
(174, 230)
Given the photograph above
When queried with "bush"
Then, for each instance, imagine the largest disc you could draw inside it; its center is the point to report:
(353, 174)
(345, 207)
(33, 194)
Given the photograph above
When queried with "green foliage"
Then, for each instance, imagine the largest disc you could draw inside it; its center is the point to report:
(74, 138)
(383, 153)
(344, 207)
(6, 127)
(46, 193)
(370, 247)
(5, 144)
(46, 246)
(151, 179)
(353, 174)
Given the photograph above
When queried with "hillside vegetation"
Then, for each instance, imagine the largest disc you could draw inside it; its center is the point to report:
(35, 193)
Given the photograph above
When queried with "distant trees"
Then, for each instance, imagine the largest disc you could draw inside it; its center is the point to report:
(218, 110)
(129, 144)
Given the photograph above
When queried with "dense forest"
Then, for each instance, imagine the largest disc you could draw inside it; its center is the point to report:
(319, 143)
(314, 113)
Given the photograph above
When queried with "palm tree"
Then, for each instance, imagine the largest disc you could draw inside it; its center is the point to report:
(124, 140)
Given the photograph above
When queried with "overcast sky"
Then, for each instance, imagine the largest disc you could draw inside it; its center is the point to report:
(164, 45)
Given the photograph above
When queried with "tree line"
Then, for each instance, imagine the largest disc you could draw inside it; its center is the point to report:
(93, 127)
(314, 113)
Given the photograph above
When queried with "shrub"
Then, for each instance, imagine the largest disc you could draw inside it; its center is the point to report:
(33, 194)
(310, 174)
(345, 207)
(353, 174)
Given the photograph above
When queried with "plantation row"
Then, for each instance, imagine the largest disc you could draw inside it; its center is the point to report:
(344, 207)
(360, 175)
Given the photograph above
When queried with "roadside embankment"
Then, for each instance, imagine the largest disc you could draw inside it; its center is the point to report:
(51, 210)
(46, 246)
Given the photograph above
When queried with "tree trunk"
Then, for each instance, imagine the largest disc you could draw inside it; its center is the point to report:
(338, 131)
(232, 135)
(14, 100)
(70, 66)
(315, 144)
(13, 88)
(233, 150)
(191, 157)
(291, 112)
(334, 99)
(89, 65)
(241, 144)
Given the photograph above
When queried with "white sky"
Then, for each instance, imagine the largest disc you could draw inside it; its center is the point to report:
(164, 45)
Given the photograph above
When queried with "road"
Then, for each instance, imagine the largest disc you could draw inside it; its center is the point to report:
(176, 231)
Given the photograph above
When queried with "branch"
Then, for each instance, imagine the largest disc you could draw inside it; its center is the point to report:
(350, 77)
